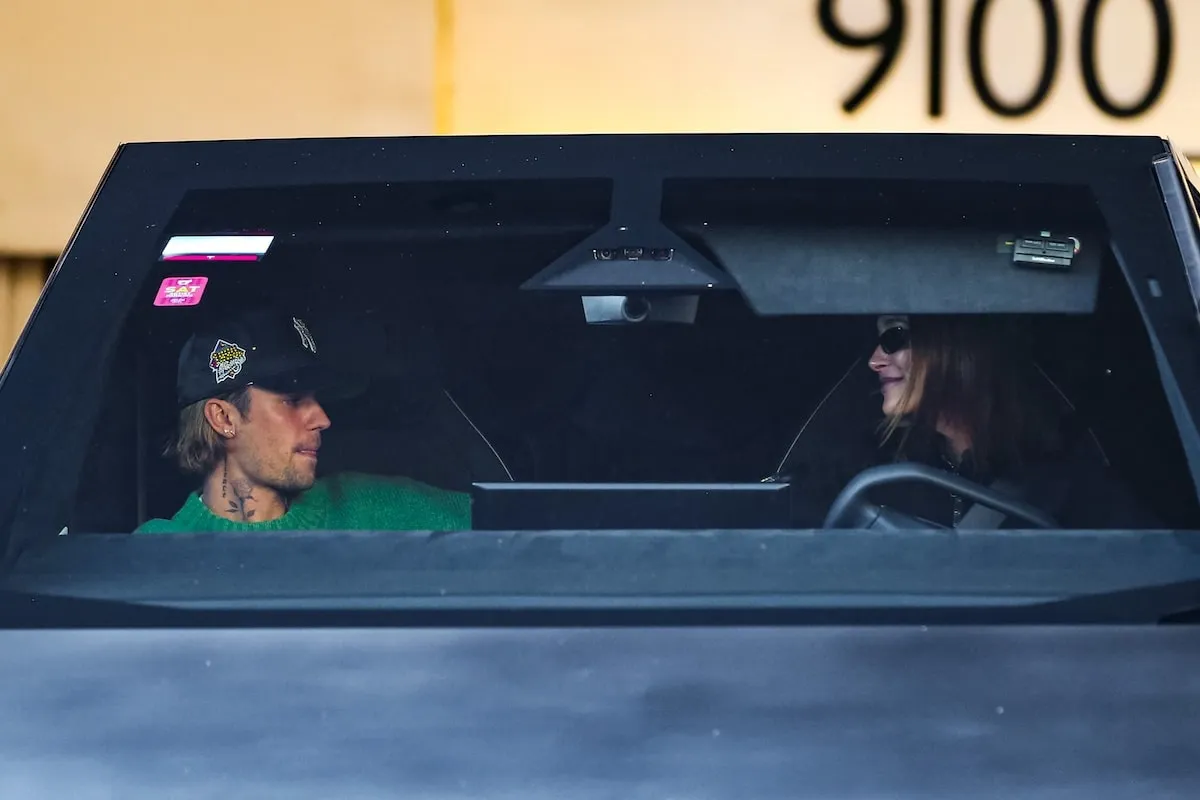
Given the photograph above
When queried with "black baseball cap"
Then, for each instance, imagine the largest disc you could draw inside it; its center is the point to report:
(267, 348)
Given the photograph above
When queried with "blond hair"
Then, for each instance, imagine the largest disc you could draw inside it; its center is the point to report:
(197, 447)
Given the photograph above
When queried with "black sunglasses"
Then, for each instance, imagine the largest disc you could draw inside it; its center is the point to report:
(894, 339)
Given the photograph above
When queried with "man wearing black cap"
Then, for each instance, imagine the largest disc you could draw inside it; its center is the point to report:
(250, 426)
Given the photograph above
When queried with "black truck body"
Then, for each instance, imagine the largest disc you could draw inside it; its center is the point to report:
(622, 661)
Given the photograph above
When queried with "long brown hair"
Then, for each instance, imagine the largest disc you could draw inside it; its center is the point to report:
(968, 372)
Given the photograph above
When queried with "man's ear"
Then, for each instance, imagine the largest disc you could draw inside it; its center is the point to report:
(223, 416)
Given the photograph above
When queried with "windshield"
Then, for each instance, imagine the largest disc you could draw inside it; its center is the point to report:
(574, 394)
(468, 385)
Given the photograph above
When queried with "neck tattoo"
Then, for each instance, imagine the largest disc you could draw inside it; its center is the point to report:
(242, 500)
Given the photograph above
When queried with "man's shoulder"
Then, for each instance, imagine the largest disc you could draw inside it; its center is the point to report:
(160, 526)
(347, 483)
(185, 520)
(397, 502)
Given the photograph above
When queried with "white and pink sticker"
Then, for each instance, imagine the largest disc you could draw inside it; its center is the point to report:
(180, 291)
(217, 248)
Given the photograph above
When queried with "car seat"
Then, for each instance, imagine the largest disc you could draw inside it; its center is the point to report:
(405, 421)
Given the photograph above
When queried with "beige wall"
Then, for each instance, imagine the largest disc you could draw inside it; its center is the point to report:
(78, 78)
(717, 65)
(81, 77)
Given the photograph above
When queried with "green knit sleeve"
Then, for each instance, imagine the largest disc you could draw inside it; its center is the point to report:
(159, 526)
(393, 503)
(192, 517)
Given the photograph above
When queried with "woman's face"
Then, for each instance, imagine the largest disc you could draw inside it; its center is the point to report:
(892, 361)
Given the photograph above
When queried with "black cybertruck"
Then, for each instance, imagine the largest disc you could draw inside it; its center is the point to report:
(619, 347)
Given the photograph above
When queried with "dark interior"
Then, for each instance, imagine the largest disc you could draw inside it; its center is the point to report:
(469, 378)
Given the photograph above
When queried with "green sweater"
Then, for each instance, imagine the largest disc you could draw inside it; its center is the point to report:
(348, 501)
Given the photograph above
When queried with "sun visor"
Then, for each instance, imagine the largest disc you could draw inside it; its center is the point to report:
(858, 270)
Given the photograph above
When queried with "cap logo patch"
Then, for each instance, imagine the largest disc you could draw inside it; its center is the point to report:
(306, 338)
(227, 360)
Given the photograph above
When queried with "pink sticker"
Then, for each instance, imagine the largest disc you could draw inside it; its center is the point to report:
(180, 291)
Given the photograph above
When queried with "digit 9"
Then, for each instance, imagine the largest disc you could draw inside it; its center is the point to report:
(889, 39)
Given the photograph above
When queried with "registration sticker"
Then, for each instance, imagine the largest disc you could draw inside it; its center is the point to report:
(180, 291)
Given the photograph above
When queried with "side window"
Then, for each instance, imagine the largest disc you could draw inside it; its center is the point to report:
(1192, 183)
(1178, 184)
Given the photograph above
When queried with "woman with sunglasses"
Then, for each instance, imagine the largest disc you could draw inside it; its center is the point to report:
(956, 394)
(952, 391)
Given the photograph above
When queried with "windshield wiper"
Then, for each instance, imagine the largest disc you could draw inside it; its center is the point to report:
(1167, 603)
(1174, 603)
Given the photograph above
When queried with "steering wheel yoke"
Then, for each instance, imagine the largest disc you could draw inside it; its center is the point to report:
(852, 509)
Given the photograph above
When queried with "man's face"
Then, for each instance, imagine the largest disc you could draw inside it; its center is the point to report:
(277, 442)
